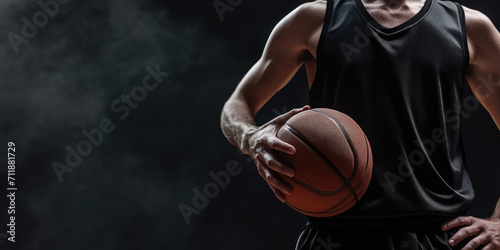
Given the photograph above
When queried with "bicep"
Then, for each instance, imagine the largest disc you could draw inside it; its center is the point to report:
(266, 78)
(483, 74)
(283, 55)
(486, 88)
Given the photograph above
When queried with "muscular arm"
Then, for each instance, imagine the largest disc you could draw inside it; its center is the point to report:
(484, 69)
(483, 76)
(289, 45)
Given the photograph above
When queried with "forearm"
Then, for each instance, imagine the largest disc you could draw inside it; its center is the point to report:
(496, 214)
(236, 123)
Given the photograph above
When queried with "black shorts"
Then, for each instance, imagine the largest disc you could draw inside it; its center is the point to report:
(407, 235)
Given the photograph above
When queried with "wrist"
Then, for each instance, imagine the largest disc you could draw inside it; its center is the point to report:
(245, 143)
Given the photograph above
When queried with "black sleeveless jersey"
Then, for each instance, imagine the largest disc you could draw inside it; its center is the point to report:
(404, 87)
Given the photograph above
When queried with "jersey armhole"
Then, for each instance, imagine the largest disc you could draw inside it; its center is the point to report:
(465, 44)
(320, 49)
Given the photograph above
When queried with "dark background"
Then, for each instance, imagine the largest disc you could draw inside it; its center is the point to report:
(126, 193)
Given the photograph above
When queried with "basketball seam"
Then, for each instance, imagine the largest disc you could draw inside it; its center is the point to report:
(304, 184)
(357, 185)
(314, 149)
(362, 177)
(354, 153)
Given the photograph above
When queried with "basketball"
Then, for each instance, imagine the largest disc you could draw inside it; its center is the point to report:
(333, 162)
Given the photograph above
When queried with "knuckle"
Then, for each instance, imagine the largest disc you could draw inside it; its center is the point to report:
(260, 140)
(272, 142)
(257, 152)
(269, 161)
(461, 220)
(255, 156)
(269, 177)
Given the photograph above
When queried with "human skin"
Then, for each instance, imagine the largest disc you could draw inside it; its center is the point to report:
(293, 43)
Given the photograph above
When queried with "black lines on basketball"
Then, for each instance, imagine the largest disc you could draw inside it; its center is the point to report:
(331, 151)
(346, 136)
(320, 154)
(355, 157)
(315, 189)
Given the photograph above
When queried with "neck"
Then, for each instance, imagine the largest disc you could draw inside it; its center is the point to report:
(392, 3)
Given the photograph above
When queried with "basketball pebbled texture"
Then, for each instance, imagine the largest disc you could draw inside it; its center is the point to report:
(333, 162)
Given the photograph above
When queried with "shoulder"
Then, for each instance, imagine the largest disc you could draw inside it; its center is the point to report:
(312, 8)
(481, 32)
(308, 13)
(299, 25)
(475, 20)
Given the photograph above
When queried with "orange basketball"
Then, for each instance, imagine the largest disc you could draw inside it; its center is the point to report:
(333, 162)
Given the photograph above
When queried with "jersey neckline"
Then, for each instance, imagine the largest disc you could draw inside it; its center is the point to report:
(389, 31)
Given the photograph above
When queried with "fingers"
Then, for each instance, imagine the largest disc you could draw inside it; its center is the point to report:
(276, 192)
(475, 243)
(263, 144)
(464, 233)
(272, 180)
(481, 232)
(268, 176)
(270, 161)
(277, 144)
(277, 123)
(457, 222)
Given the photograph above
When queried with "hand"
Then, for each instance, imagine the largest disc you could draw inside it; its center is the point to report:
(483, 232)
(262, 142)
